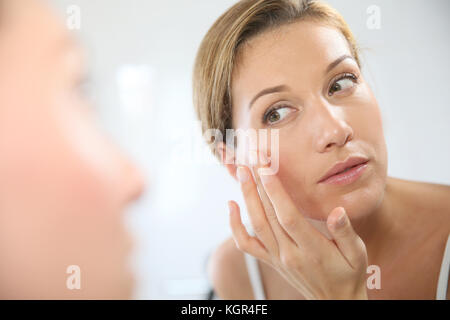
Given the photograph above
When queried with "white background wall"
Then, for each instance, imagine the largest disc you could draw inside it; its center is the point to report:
(141, 54)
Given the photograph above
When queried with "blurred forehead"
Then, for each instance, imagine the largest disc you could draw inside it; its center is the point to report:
(31, 24)
(33, 39)
(296, 51)
(37, 54)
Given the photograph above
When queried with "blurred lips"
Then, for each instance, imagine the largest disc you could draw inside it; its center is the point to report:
(345, 172)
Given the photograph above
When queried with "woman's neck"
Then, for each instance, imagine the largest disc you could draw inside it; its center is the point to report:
(379, 229)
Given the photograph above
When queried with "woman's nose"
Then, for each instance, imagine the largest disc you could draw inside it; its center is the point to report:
(331, 129)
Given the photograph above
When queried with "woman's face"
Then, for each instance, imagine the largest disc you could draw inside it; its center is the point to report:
(63, 186)
(324, 110)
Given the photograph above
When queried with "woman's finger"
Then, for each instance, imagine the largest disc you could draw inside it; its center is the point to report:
(243, 240)
(296, 226)
(349, 243)
(282, 237)
(256, 213)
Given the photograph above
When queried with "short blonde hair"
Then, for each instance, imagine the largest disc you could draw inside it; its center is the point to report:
(217, 55)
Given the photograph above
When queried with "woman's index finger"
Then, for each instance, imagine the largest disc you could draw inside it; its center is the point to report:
(287, 213)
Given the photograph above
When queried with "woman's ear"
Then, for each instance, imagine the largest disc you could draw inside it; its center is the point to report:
(227, 158)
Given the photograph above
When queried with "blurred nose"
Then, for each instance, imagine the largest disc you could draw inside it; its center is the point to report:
(332, 129)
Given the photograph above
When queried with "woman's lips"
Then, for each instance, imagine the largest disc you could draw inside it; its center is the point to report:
(348, 176)
(345, 172)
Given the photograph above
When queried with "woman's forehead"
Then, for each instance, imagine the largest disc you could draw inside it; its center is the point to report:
(300, 50)
(304, 43)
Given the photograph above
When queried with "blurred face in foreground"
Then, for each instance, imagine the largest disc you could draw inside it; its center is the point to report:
(63, 186)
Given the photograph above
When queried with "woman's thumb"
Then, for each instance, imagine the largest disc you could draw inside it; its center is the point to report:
(349, 243)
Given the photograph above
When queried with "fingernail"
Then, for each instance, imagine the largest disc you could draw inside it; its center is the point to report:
(242, 174)
(230, 208)
(341, 220)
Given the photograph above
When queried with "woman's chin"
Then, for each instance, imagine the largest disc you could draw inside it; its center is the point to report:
(358, 204)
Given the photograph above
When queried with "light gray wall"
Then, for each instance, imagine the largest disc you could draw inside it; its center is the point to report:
(184, 215)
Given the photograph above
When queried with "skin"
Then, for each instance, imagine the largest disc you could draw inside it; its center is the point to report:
(392, 223)
(64, 186)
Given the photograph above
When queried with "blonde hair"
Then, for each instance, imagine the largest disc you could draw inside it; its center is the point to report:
(217, 55)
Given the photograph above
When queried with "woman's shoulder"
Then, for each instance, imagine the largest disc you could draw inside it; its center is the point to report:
(425, 196)
(227, 272)
(424, 186)
(426, 208)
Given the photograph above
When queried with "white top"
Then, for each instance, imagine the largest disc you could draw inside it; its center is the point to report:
(441, 292)
(259, 294)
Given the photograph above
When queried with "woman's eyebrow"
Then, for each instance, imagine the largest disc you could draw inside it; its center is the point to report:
(268, 91)
(337, 61)
(286, 88)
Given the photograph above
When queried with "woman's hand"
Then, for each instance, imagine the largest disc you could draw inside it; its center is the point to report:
(317, 267)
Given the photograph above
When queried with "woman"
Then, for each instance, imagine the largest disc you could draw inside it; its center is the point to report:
(64, 186)
(293, 66)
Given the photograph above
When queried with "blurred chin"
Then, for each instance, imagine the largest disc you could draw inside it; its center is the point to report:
(118, 287)
(124, 282)
(129, 285)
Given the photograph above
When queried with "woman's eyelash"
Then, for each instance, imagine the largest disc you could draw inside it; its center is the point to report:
(347, 75)
(270, 110)
(351, 76)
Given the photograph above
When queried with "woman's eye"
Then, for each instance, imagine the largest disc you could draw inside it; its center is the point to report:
(345, 82)
(276, 115)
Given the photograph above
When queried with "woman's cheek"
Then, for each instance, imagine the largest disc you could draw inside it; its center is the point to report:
(293, 172)
(58, 224)
(369, 131)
